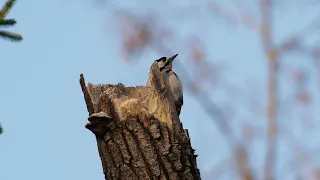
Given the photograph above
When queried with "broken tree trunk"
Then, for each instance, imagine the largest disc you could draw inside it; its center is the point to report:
(138, 131)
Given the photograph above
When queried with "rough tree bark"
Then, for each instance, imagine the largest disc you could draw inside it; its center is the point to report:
(138, 131)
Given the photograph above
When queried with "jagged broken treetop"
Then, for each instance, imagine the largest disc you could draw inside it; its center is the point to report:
(154, 99)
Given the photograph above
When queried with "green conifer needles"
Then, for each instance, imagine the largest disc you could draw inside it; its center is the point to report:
(8, 22)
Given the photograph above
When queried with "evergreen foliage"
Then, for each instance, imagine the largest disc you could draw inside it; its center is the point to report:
(8, 22)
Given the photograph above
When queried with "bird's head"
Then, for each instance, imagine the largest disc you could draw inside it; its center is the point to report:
(165, 63)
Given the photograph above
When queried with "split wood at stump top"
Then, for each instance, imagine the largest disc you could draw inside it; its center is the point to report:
(138, 131)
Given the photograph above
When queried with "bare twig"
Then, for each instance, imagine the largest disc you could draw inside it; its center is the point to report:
(272, 57)
(294, 42)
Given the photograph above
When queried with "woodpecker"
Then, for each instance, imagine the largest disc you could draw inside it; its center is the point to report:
(172, 80)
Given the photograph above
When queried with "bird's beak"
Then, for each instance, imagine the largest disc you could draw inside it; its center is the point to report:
(172, 58)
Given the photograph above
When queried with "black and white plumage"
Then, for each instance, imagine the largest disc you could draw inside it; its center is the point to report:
(172, 80)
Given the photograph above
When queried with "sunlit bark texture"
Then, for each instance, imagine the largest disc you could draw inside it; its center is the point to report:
(138, 131)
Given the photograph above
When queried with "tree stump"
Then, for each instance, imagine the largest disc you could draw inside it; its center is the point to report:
(138, 131)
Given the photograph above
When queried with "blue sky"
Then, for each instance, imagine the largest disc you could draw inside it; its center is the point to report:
(41, 104)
